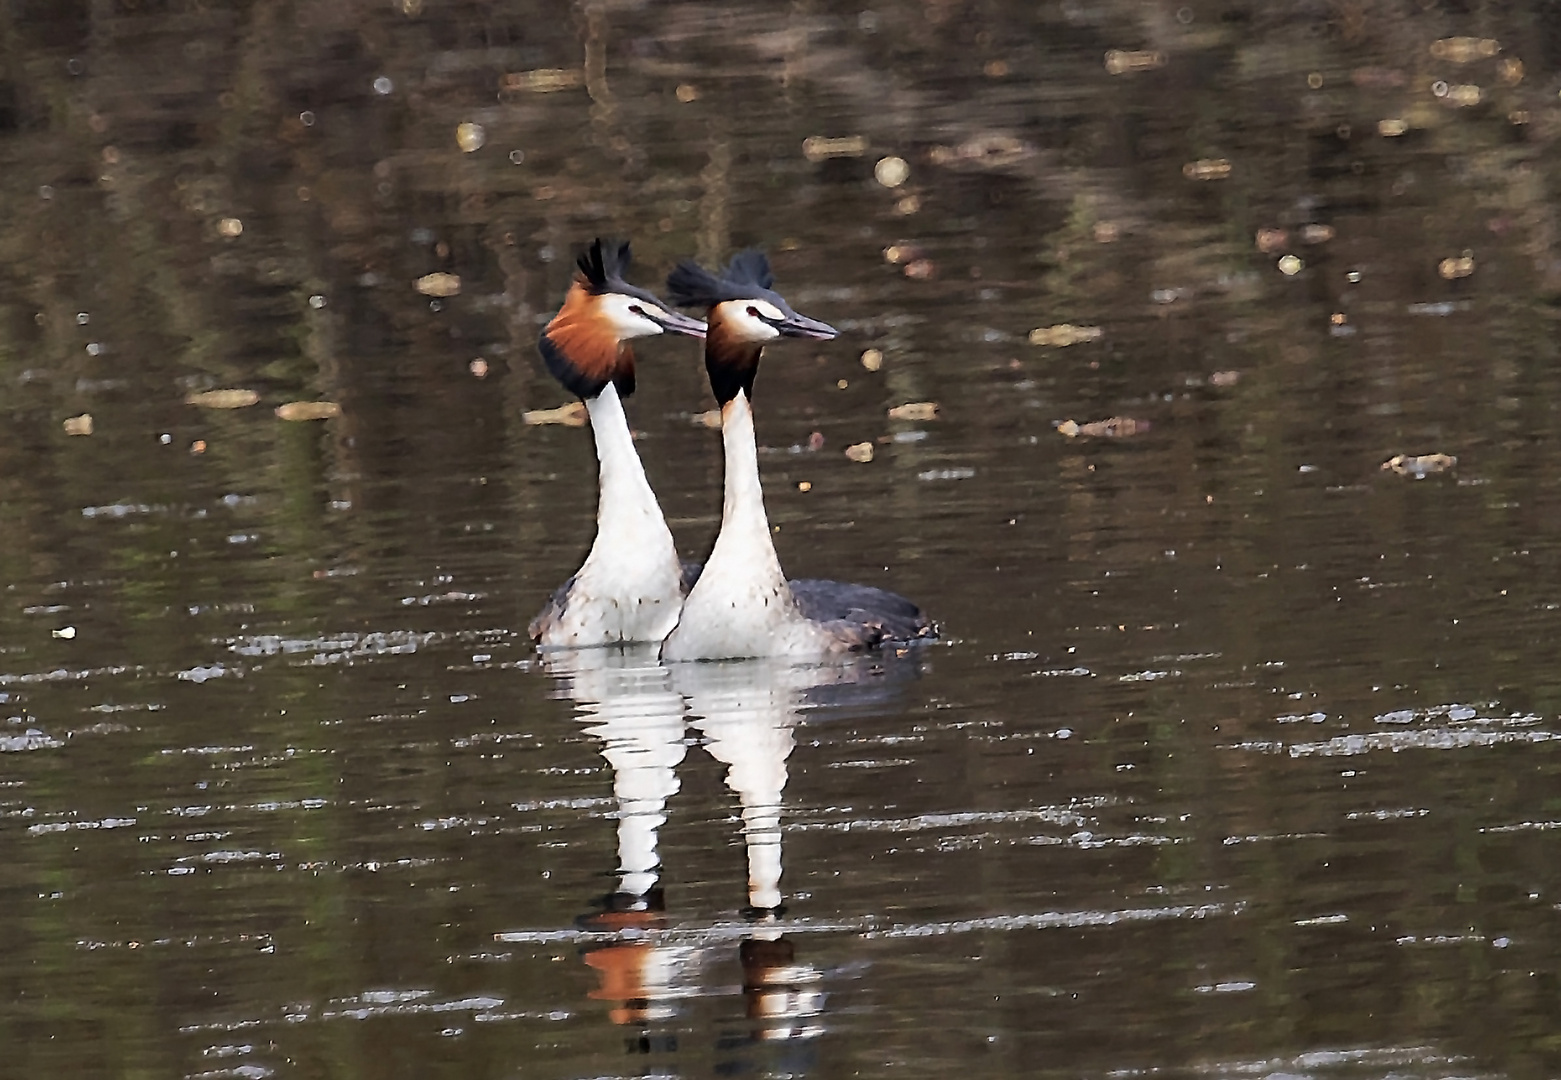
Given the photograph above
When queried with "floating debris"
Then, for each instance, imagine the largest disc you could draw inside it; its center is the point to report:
(872, 359)
(1510, 71)
(1458, 96)
(572, 415)
(1207, 169)
(687, 92)
(920, 269)
(862, 451)
(1272, 240)
(899, 254)
(478, 368)
(1290, 266)
(1317, 234)
(470, 137)
(1465, 50)
(439, 284)
(989, 150)
(230, 227)
(1224, 378)
(1392, 127)
(891, 172)
(1064, 334)
(1456, 267)
(308, 410)
(198, 446)
(1117, 427)
(804, 485)
(820, 148)
(1419, 466)
(64, 633)
(1123, 61)
(543, 80)
(222, 399)
(915, 410)
(79, 425)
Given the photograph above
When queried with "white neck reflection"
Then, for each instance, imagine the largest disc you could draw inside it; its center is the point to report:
(628, 700)
(746, 711)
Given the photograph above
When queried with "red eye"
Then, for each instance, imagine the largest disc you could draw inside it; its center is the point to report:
(754, 312)
(635, 309)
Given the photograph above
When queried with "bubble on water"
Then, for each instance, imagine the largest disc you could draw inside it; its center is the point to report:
(891, 172)
(384, 85)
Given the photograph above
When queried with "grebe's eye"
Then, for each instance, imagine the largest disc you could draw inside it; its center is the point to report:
(635, 309)
(754, 312)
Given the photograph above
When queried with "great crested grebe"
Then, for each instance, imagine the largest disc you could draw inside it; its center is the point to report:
(631, 585)
(742, 605)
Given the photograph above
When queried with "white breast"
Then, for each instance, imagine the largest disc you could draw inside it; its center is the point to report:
(630, 586)
(741, 606)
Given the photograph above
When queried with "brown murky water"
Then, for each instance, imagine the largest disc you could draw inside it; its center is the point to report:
(1240, 755)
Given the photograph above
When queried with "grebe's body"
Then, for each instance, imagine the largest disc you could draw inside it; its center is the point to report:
(742, 605)
(631, 585)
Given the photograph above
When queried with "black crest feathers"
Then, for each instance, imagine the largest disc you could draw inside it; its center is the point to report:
(691, 285)
(746, 277)
(603, 265)
(751, 267)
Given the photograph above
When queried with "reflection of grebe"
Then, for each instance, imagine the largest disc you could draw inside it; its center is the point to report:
(626, 697)
(746, 710)
(742, 605)
(646, 963)
(630, 587)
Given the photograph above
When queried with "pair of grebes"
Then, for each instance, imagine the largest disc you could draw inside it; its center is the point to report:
(632, 587)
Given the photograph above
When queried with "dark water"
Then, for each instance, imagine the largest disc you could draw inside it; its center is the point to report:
(1239, 759)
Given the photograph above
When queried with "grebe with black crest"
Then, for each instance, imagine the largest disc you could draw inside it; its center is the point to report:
(630, 587)
(742, 605)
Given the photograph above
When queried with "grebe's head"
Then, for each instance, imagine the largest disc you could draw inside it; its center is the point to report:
(745, 314)
(585, 344)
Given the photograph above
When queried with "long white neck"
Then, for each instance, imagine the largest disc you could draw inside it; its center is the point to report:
(741, 605)
(745, 527)
(626, 498)
(630, 586)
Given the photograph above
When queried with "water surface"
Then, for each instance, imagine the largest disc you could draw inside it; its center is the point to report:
(1238, 757)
